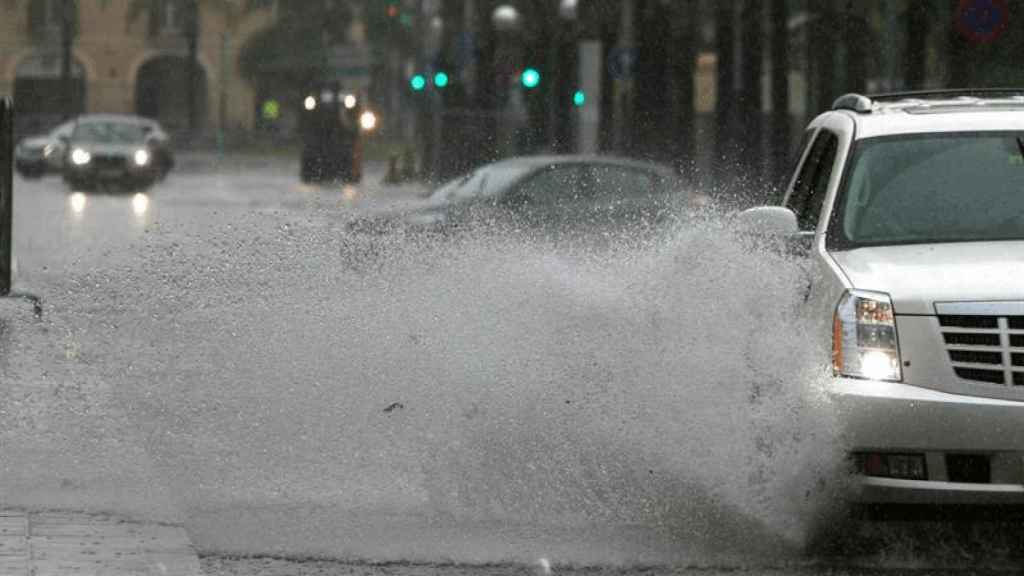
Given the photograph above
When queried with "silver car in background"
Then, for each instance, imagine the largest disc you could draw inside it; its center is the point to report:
(552, 196)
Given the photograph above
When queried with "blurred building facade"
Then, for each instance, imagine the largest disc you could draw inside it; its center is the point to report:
(129, 56)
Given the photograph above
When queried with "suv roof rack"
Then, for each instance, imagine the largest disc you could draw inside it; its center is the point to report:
(862, 103)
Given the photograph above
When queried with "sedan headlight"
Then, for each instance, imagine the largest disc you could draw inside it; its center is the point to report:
(80, 157)
(864, 340)
(141, 157)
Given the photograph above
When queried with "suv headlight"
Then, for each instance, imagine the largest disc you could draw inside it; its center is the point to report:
(864, 340)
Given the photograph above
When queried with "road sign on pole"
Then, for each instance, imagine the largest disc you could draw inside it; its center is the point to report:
(982, 21)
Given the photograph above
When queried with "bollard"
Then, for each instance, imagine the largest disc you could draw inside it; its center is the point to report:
(409, 164)
(392, 176)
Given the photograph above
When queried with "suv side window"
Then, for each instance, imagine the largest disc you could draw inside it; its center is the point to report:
(811, 183)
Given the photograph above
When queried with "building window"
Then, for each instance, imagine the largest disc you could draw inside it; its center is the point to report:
(54, 13)
(47, 16)
(170, 19)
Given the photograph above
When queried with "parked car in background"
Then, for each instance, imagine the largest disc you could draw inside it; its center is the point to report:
(37, 156)
(552, 195)
(125, 151)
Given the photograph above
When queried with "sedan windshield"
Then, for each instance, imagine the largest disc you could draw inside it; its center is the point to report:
(486, 181)
(934, 188)
(109, 133)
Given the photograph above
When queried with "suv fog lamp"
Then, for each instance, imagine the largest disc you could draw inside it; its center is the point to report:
(864, 339)
(903, 466)
(141, 157)
(80, 157)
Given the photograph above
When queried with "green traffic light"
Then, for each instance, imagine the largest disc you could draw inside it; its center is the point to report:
(579, 98)
(441, 79)
(271, 110)
(418, 82)
(530, 78)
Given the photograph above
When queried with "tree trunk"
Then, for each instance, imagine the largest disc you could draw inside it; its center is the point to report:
(917, 53)
(725, 93)
(855, 39)
(685, 28)
(67, 34)
(957, 57)
(192, 68)
(750, 146)
(823, 55)
(780, 92)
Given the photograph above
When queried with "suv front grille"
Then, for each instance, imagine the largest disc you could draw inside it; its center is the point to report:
(985, 348)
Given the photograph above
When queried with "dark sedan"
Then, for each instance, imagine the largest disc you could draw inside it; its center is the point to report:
(111, 151)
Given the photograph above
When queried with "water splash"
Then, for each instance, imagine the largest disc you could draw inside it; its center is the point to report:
(305, 391)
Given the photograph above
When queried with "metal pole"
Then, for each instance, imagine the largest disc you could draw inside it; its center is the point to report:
(6, 192)
(192, 67)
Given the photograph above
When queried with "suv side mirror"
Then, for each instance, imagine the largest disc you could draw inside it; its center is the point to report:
(768, 221)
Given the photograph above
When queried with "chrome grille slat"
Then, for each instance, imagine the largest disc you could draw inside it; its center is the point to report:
(985, 348)
(978, 365)
(969, 348)
(966, 330)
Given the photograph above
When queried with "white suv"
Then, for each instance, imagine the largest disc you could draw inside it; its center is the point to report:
(912, 206)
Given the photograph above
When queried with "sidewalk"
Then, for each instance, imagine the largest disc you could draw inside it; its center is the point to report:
(65, 544)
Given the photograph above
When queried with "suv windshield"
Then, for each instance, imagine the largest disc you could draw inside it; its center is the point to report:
(109, 133)
(933, 188)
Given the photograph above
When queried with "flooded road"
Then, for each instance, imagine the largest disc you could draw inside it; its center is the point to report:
(227, 355)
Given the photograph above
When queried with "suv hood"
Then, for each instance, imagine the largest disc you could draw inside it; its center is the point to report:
(917, 276)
